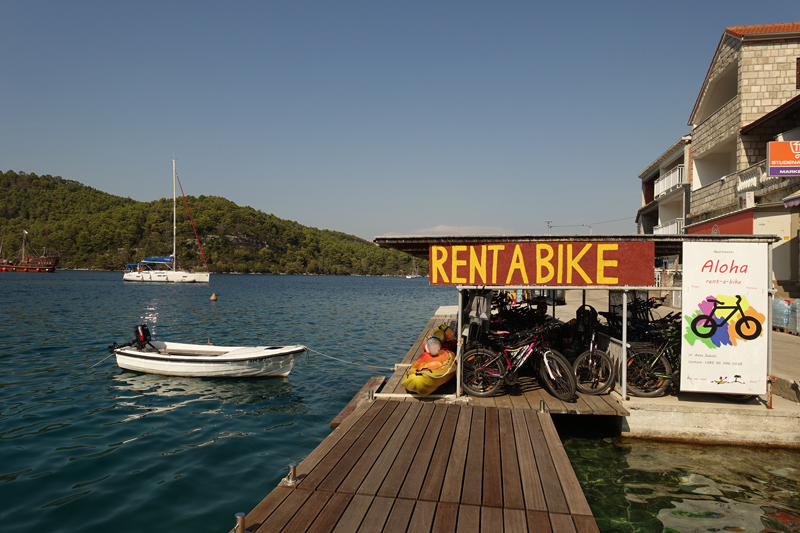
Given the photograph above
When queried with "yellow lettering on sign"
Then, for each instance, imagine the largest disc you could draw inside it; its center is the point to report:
(603, 263)
(438, 257)
(457, 263)
(495, 249)
(477, 265)
(543, 262)
(560, 264)
(517, 263)
(572, 264)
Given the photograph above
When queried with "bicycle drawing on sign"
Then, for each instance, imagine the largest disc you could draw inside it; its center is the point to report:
(705, 325)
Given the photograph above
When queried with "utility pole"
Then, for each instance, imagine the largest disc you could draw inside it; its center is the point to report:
(548, 226)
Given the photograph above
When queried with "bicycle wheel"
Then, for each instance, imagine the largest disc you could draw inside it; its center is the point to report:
(594, 372)
(704, 326)
(555, 375)
(748, 328)
(738, 398)
(482, 372)
(649, 373)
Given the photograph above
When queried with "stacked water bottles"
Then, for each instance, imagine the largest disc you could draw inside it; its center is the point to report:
(780, 313)
(794, 312)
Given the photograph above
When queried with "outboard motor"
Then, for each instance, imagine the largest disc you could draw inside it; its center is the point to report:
(142, 335)
(141, 339)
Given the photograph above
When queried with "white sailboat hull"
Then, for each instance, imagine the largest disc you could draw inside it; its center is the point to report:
(195, 360)
(177, 276)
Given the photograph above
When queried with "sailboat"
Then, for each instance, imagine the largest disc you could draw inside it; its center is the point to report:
(152, 268)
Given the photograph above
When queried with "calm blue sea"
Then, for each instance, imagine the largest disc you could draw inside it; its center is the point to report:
(86, 446)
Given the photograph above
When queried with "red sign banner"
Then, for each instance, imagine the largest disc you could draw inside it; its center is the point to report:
(550, 263)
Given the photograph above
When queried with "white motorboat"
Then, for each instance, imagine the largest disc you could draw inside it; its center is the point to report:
(198, 360)
(151, 269)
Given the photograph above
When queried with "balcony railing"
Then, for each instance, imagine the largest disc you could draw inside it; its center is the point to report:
(754, 178)
(669, 181)
(673, 227)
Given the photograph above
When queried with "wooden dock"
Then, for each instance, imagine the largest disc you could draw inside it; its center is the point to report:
(433, 465)
(414, 466)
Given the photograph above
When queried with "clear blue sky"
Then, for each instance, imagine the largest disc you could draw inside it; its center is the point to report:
(367, 117)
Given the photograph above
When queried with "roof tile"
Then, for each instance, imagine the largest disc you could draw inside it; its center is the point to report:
(786, 27)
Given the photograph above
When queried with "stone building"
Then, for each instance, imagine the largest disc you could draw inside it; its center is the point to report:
(750, 97)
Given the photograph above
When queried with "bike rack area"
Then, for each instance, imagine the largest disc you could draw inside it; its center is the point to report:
(664, 245)
(463, 298)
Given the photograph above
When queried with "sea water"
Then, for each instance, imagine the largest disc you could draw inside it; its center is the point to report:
(87, 446)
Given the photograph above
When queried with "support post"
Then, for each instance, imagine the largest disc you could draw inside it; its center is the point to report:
(624, 362)
(459, 346)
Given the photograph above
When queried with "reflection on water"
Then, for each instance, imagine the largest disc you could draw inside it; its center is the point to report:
(237, 391)
(643, 486)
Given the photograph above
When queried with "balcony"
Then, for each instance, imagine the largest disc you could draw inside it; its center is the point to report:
(673, 227)
(723, 196)
(754, 178)
(669, 181)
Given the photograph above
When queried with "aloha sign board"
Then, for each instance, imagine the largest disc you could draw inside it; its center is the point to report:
(725, 299)
(550, 263)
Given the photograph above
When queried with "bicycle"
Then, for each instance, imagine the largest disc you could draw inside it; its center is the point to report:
(485, 369)
(650, 370)
(752, 324)
(594, 370)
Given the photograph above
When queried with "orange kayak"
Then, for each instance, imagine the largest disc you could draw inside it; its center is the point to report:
(430, 372)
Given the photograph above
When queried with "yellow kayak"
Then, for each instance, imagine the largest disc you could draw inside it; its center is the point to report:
(429, 372)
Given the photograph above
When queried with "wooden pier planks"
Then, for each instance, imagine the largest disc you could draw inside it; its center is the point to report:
(425, 467)
(373, 384)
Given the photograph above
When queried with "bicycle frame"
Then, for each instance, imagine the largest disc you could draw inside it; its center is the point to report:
(717, 306)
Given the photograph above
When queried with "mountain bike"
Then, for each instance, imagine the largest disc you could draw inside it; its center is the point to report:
(594, 369)
(650, 370)
(747, 327)
(484, 369)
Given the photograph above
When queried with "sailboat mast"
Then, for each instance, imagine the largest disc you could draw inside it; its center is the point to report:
(174, 218)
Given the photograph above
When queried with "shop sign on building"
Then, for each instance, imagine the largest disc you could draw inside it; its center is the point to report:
(550, 263)
(724, 327)
(783, 158)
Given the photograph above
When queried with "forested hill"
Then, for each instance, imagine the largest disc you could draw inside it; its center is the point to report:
(92, 229)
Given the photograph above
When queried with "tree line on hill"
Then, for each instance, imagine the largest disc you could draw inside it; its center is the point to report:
(91, 229)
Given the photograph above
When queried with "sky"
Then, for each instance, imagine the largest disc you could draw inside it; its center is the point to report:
(371, 118)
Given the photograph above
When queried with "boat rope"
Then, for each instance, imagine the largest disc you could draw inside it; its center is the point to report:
(97, 363)
(349, 362)
(192, 221)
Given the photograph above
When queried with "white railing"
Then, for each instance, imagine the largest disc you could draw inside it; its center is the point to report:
(669, 181)
(673, 227)
(751, 179)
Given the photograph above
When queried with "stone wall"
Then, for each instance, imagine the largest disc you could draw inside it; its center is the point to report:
(713, 199)
(768, 76)
(723, 124)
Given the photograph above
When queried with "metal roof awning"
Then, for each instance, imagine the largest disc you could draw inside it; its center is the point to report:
(665, 245)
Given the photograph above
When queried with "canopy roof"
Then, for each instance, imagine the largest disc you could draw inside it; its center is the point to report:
(665, 245)
(163, 259)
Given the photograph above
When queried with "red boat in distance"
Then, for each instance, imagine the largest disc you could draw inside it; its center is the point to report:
(45, 263)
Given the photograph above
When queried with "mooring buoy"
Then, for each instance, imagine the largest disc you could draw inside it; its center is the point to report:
(214, 297)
